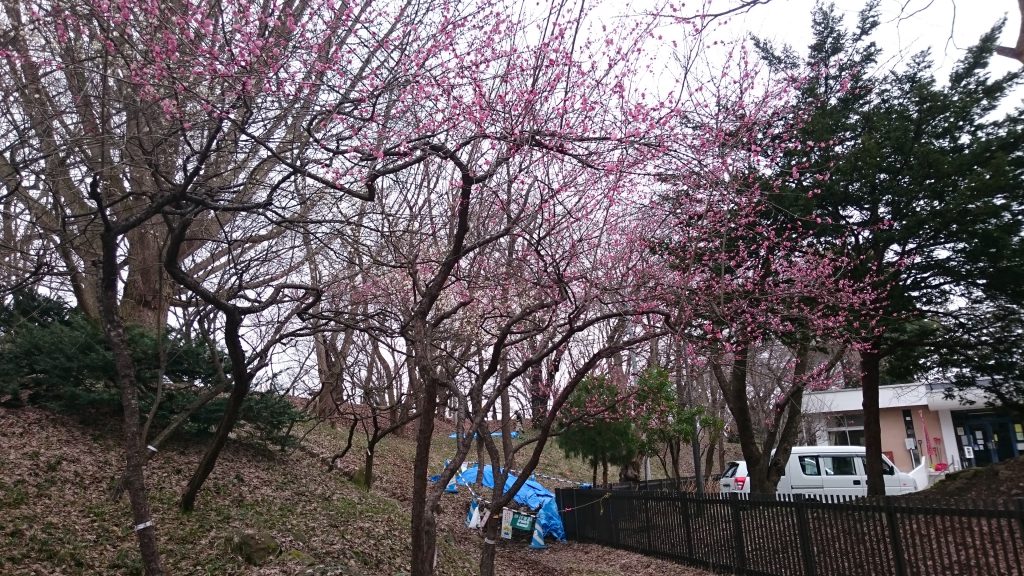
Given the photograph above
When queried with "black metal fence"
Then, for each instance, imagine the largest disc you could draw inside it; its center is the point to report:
(799, 536)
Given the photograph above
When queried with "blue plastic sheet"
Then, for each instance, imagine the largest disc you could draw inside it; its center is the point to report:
(532, 494)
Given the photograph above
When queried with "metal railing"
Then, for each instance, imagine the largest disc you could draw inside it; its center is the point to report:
(795, 536)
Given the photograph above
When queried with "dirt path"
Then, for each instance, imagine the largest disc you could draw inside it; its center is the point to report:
(575, 559)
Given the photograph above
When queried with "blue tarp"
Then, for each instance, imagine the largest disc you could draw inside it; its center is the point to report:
(531, 494)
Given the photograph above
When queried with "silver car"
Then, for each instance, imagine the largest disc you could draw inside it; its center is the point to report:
(734, 478)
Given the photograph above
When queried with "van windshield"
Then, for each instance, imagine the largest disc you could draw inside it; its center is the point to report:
(887, 468)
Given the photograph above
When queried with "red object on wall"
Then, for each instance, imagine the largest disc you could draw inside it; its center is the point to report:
(932, 452)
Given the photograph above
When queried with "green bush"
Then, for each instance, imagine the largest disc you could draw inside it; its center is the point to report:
(51, 356)
(597, 425)
(271, 417)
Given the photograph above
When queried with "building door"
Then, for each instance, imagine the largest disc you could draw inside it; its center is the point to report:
(1003, 439)
(980, 434)
(992, 439)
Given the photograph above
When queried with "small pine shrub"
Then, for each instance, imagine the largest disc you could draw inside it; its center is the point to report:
(53, 357)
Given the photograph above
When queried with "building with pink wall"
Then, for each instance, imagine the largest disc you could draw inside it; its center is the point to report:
(919, 425)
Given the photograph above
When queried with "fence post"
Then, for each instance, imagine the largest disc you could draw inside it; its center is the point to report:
(1020, 519)
(647, 524)
(560, 505)
(571, 508)
(562, 497)
(737, 530)
(613, 528)
(894, 536)
(1020, 513)
(803, 529)
(687, 512)
(575, 514)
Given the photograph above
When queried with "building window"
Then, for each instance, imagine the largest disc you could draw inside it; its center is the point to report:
(845, 430)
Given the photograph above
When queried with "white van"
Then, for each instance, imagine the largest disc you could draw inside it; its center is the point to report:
(824, 470)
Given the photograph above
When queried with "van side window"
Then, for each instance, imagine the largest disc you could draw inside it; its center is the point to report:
(839, 465)
(809, 466)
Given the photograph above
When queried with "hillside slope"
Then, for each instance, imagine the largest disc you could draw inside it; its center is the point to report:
(55, 517)
(1002, 480)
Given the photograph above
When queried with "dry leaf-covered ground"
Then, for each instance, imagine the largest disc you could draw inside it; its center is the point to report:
(1002, 480)
(55, 517)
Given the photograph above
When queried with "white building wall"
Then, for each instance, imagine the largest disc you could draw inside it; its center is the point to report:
(949, 438)
(819, 404)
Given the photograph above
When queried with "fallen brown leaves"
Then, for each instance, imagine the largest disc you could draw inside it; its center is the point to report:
(1002, 480)
(56, 518)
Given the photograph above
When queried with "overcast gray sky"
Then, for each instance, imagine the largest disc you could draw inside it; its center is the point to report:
(947, 27)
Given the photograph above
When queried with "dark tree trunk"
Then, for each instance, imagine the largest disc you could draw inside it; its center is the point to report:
(489, 551)
(721, 452)
(135, 482)
(695, 441)
(424, 522)
(709, 456)
(674, 450)
(408, 404)
(695, 446)
(540, 385)
(480, 462)
(785, 427)
(684, 393)
(787, 436)
(368, 466)
(146, 297)
(764, 468)
(241, 380)
(734, 390)
(630, 472)
(757, 477)
(538, 398)
(664, 465)
(330, 369)
(442, 403)
(179, 420)
(870, 375)
(507, 449)
(481, 439)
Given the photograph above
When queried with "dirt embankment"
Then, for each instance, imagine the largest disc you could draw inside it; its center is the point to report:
(56, 517)
(1002, 480)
